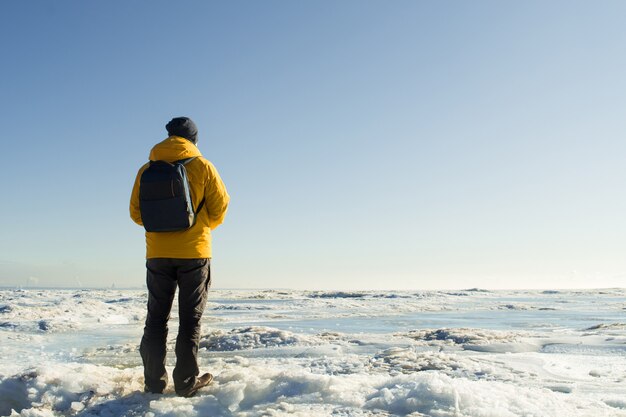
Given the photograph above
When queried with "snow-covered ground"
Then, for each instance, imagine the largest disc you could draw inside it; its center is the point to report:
(314, 353)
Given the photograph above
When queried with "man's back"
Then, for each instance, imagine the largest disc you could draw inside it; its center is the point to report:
(204, 181)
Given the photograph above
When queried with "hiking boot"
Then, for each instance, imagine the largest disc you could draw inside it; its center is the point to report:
(201, 381)
(148, 390)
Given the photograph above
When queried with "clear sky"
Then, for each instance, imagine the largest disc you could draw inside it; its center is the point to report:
(365, 144)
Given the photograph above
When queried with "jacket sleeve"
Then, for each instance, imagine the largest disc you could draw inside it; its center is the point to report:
(216, 197)
(135, 213)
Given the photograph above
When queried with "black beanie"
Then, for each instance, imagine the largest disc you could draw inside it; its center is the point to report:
(183, 127)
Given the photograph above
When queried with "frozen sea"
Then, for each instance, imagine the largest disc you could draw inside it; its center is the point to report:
(315, 353)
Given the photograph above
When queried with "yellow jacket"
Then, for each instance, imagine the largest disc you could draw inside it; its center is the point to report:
(204, 181)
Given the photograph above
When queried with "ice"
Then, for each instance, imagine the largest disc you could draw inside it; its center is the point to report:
(249, 388)
(465, 336)
(607, 326)
(63, 310)
(439, 395)
(479, 340)
(616, 402)
(407, 361)
(250, 338)
(513, 307)
(338, 294)
(313, 353)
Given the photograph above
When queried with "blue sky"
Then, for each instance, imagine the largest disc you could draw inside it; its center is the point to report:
(365, 144)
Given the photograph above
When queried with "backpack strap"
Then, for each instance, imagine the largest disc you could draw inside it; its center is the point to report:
(185, 162)
(200, 206)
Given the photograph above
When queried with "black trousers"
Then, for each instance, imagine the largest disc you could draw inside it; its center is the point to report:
(193, 278)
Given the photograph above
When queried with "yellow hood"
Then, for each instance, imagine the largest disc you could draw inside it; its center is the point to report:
(173, 149)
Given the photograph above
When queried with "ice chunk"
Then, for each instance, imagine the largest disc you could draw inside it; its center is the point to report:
(607, 326)
(251, 338)
(77, 406)
(465, 336)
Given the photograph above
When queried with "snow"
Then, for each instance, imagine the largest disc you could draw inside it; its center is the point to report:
(303, 353)
(250, 338)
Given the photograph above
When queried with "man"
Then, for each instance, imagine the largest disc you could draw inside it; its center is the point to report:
(179, 259)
